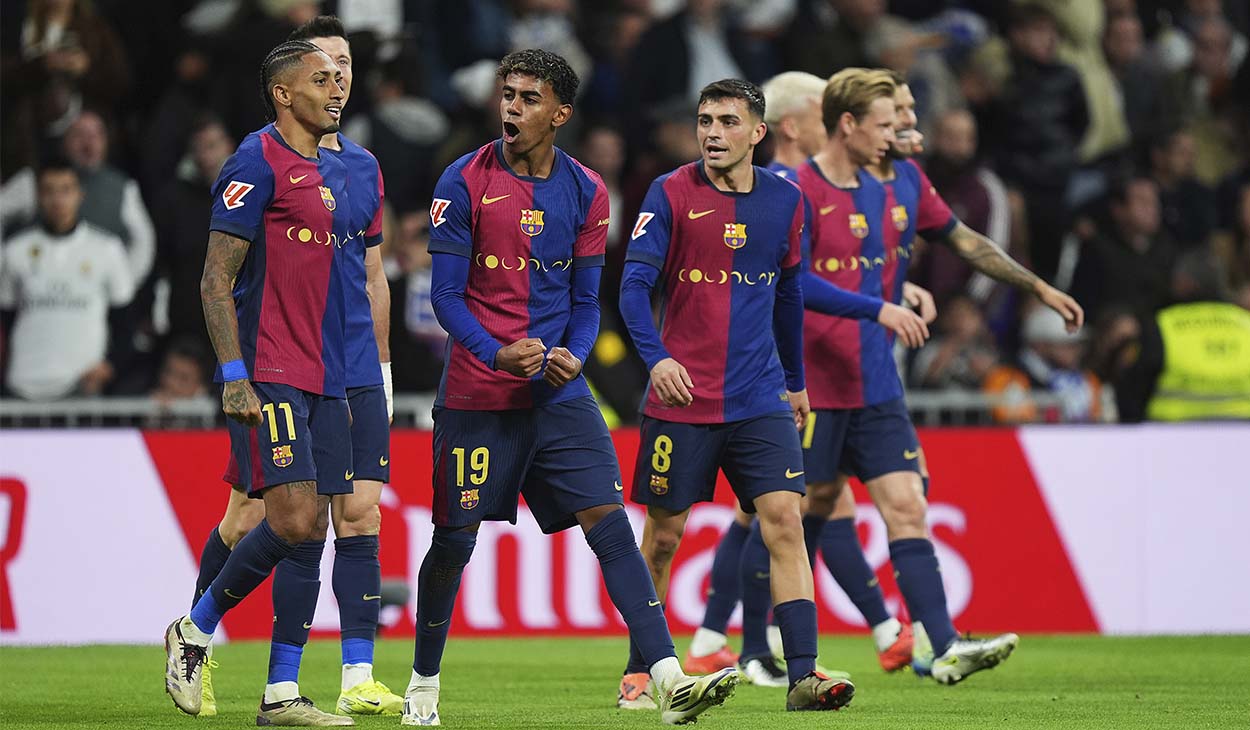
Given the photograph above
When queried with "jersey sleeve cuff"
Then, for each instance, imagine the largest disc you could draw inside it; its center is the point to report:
(371, 241)
(940, 232)
(237, 230)
(645, 258)
(459, 249)
(791, 271)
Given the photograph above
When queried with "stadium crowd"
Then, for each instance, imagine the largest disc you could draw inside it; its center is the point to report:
(1103, 143)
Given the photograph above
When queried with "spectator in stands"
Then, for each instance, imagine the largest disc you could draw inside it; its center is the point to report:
(69, 59)
(417, 339)
(961, 354)
(1232, 247)
(184, 373)
(612, 45)
(404, 132)
(1187, 206)
(1151, 95)
(677, 57)
(1048, 362)
(829, 35)
(59, 280)
(603, 150)
(1130, 260)
(1213, 100)
(111, 199)
(1193, 358)
(182, 215)
(977, 197)
(1035, 134)
(548, 24)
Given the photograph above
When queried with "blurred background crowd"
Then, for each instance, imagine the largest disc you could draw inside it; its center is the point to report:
(1102, 142)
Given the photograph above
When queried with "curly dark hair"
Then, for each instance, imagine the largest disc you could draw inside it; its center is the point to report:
(544, 66)
(735, 89)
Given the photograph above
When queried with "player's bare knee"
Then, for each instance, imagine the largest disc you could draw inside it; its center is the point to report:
(822, 498)
(353, 521)
(781, 529)
(904, 515)
(239, 520)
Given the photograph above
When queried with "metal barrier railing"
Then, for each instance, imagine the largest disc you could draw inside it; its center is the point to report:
(928, 408)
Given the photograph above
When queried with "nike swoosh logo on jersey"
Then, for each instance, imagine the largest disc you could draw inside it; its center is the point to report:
(488, 201)
(696, 216)
(653, 603)
(348, 475)
(909, 454)
(792, 474)
(383, 461)
(297, 180)
(372, 598)
(307, 625)
(618, 486)
(828, 209)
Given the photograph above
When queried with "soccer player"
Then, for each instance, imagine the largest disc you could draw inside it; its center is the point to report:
(281, 212)
(356, 518)
(727, 386)
(518, 235)
(793, 114)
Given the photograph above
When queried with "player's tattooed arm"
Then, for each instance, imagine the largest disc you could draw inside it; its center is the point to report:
(221, 265)
(986, 257)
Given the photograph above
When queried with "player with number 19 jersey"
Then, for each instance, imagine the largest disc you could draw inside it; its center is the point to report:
(523, 237)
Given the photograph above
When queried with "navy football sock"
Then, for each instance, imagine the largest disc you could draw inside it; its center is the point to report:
(797, 621)
(212, 558)
(725, 585)
(250, 563)
(438, 582)
(839, 546)
(813, 525)
(629, 585)
(756, 595)
(357, 581)
(920, 581)
(296, 583)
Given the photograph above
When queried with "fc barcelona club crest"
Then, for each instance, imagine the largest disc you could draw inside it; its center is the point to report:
(282, 455)
(859, 225)
(659, 484)
(531, 222)
(899, 214)
(735, 235)
(468, 498)
(327, 197)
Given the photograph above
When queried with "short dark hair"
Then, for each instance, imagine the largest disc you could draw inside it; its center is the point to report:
(544, 66)
(282, 58)
(322, 26)
(735, 89)
(1117, 194)
(56, 163)
(1029, 14)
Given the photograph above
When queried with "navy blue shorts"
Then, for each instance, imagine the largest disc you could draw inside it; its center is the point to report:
(861, 442)
(371, 433)
(303, 437)
(560, 457)
(677, 462)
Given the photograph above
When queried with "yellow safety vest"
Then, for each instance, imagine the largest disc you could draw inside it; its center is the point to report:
(1206, 363)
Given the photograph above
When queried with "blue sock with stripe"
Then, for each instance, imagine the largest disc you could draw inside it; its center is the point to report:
(797, 621)
(357, 581)
(839, 545)
(757, 596)
(212, 558)
(725, 583)
(438, 582)
(250, 563)
(919, 579)
(296, 583)
(629, 584)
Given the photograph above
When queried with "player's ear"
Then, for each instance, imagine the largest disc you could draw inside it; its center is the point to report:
(757, 135)
(281, 95)
(564, 112)
(846, 123)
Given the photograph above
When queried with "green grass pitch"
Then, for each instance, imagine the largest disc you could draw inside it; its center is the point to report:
(1051, 682)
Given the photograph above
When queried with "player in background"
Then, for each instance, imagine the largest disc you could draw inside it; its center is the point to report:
(727, 385)
(914, 206)
(274, 307)
(518, 235)
(794, 118)
(357, 576)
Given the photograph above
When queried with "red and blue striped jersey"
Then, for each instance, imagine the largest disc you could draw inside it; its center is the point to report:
(861, 240)
(366, 193)
(289, 292)
(721, 256)
(523, 237)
